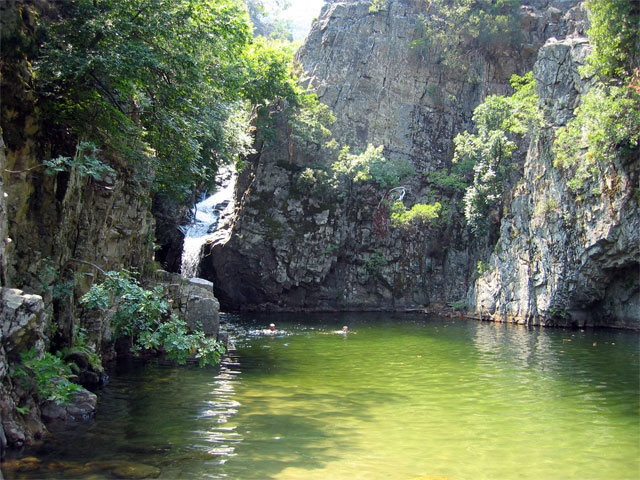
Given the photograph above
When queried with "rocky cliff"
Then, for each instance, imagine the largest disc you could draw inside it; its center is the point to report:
(63, 227)
(563, 258)
(295, 245)
(53, 229)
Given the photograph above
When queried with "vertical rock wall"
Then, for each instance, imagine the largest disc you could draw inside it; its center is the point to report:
(562, 258)
(294, 244)
(52, 227)
(55, 220)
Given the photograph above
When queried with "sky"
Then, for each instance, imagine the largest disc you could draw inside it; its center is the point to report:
(301, 13)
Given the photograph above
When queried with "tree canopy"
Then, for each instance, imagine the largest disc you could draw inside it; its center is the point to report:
(500, 122)
(163, 84)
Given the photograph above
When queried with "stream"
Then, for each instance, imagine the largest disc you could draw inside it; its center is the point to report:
(402, 397)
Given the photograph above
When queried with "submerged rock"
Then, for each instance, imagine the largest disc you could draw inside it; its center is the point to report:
(26, 464)
(97, 469)
(136, 471)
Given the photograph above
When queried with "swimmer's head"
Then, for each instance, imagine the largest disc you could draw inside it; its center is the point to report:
(272, 326)
(345, 329)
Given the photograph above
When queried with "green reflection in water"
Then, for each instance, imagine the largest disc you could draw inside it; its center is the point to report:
(403, 397)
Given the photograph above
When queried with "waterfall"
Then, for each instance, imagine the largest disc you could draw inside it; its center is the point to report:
(206, 216)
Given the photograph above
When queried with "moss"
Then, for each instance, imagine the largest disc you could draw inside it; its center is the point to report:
(400, 285)
(274, 228)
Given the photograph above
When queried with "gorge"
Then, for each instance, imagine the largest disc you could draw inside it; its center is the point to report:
(293, 247)
(101, 168)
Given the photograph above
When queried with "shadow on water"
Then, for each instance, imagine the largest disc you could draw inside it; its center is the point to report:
(404, 395)
(285, 441)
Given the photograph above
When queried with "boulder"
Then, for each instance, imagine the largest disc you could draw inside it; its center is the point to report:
(21, 320)
(192, 300)
(201, 308)
(82, 407)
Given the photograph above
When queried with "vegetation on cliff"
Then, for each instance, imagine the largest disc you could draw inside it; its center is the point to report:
(607, 122)
(502, 124)
(456, 31)
(120, 98)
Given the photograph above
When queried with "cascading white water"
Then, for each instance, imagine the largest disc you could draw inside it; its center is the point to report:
(206, 216)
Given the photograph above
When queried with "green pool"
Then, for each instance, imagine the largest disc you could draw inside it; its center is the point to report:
(404, 397)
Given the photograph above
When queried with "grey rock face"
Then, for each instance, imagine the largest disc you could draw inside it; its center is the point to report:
(201, 308)
(557, 77)
(53, 221)
(562, 260)
(193, 301)
(299, 247)
(21, 321)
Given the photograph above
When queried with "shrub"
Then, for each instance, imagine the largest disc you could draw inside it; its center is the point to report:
(373, 266)
(545, 207)
(47, 376)
(483, 267)
(500, 122)
(370, 165)
(419, 213)
(607, 124)
(310, 123)
(144, 316)
(377, 5)
(85, 162)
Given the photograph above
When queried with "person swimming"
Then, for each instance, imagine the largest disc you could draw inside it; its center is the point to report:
(267, 331)
(344, 330)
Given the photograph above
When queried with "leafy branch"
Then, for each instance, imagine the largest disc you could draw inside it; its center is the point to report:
(47, 376)
(144, 316)
(85, 162)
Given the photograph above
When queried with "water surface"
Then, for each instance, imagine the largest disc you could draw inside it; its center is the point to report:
(402, 397)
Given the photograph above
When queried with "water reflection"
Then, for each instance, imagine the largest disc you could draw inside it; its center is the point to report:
(220, 439)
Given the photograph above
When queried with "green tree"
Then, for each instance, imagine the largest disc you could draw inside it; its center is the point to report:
(266, 22)
(370, 165)
(615, 36)
(422, 213)
(268, 73)
(309, 122)
(502, 123)
(166, 85)
(607, 121)
(607, 125)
